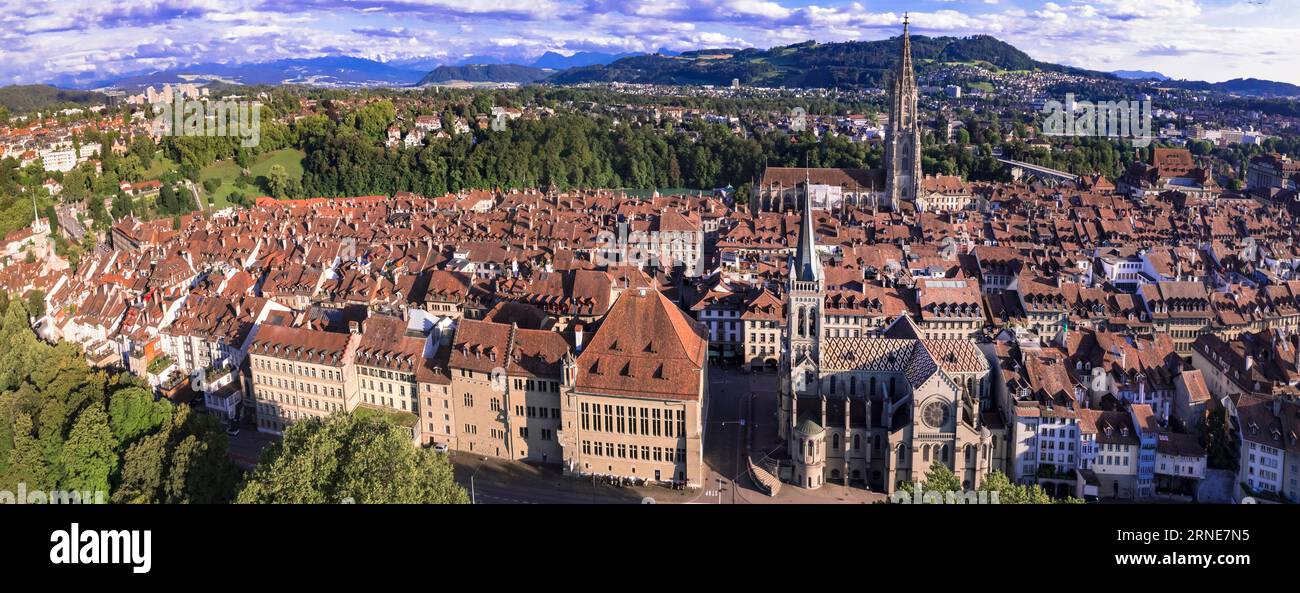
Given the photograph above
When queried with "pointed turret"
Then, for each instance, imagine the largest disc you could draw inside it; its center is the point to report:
(807, 265)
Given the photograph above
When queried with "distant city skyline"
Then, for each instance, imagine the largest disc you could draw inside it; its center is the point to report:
(1214, 40)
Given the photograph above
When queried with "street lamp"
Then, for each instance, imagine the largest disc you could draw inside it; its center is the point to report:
(473, 497)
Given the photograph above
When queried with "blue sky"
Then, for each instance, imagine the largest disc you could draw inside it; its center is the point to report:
(1201, 39)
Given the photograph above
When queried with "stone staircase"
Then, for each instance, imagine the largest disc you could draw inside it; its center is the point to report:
(763, 474)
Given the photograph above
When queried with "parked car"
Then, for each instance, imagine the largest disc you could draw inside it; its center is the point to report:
(440, 447)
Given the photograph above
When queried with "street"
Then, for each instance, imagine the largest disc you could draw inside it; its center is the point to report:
(503, 482)
(246, 449)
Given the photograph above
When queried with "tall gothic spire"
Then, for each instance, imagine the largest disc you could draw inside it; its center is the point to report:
(905, 65)
(807, 265)
(903, 146)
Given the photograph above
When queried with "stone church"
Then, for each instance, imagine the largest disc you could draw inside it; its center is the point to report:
(877, 411)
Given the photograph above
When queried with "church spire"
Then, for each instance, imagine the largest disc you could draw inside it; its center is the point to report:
(905, 65)
(903, 145)
(807, 265)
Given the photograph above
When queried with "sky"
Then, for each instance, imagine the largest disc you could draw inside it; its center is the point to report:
(1214, 40)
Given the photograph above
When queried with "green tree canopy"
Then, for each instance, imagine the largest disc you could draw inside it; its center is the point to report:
(347, 456)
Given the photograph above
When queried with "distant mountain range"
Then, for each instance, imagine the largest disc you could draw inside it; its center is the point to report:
(336, 71)
(1139, 75)
(343, 71)
(808, 64)
(1240, 86)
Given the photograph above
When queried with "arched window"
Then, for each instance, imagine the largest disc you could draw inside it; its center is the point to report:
(835, 442)
(902, 453)
(857, 442)
(925, 452)
(802, 316)
(946, 451)
(873, 388)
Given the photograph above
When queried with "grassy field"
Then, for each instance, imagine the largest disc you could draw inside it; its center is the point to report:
(227, 171)
(160, 165)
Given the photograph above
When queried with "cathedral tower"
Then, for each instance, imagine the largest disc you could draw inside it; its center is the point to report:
(807, 296)
(903, 144)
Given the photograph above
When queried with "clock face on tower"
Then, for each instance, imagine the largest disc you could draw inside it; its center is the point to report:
(935, 414)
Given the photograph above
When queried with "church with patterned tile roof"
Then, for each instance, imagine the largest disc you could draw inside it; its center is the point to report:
(875, 411)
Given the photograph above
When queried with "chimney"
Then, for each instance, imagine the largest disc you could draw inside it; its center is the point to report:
(355, 327)
(577, 337)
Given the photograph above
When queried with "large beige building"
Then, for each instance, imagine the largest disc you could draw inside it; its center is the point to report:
(632, 400)
(301, 373)
(505, 391)
(386, 361)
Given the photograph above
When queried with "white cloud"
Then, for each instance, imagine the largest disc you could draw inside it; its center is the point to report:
(40, 39)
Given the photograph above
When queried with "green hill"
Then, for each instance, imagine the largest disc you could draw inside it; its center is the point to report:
(42, 97)
(808, 64)
(484, 73)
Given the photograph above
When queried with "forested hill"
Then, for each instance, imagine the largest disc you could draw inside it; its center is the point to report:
(1241, 86)
(41, 97)
(484, 73)
(808, 64)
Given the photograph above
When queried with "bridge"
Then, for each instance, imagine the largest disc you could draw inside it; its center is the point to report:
(1020, 169)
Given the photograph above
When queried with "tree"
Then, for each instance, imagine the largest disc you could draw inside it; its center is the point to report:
(346, 456)
(90, 453)
(1214, 436)
(22, 350)
(200, 470)
(122, 206)
(1012, 493)
(186, 461)
(36, 303)
(277, 182)
(143, 466)
(26, 462)
(76, 185)
(941, 478)
(132, 412)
